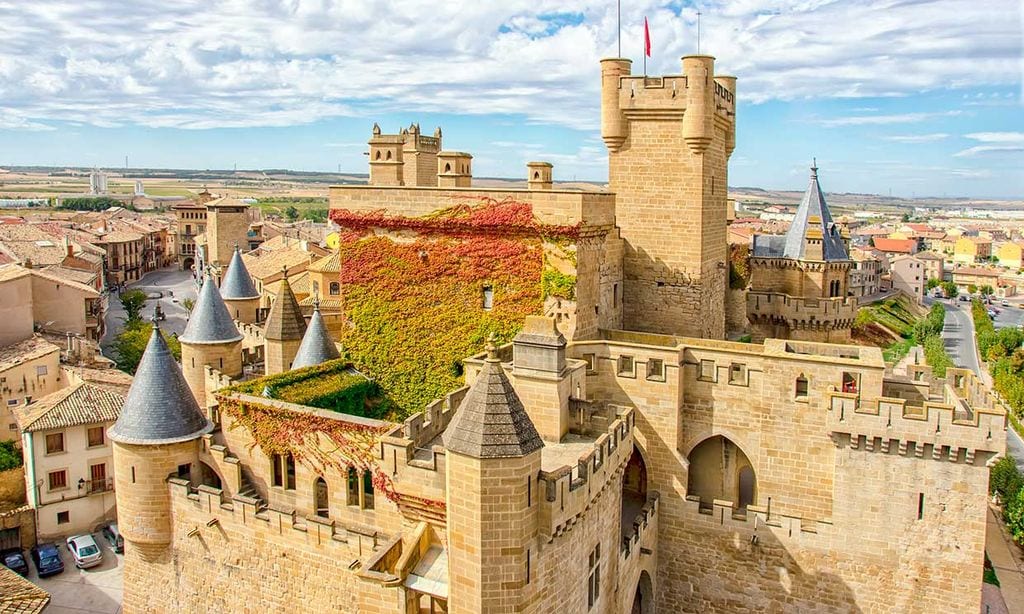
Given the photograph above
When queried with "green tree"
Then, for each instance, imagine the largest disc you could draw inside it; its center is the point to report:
(972, 289)
(949, 289)
(1005, 479)
(933, 283)
(130, 343)
(315, 215)
(1013, 513)
(987, 290)
(291, 213)
(188, 304)
(10, 455)
(133, 301)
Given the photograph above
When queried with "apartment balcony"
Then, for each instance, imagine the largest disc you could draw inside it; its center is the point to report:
(96, 487)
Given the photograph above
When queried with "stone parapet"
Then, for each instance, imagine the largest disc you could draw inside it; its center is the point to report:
(798, 311)
(556, 207)
(567, 492)
(948, 426)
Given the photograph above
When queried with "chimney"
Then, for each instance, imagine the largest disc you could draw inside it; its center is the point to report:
(27, 263)
(538, 175)
(69, 251)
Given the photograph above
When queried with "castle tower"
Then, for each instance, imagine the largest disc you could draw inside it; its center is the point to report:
(798, 282)
(419, 155)
(386, 165)
(317, 346)
(210, 338)
(538, 175)
(454, 169)
(239, 293)
(493, 457)
(154, 437)
(227, 225)
(284, 330)
(669, 140)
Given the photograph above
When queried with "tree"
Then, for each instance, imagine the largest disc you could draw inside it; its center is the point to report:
(933, 283)
(987, 290)
(133, 301)
(10, 455)
(130, 343)
(291, 213)
(972, 289)
(188, 304)
(949, 289)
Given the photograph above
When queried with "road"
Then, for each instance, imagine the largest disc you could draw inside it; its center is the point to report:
(165, 286)
(958, 337)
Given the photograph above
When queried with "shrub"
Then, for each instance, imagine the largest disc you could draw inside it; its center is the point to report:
(1005, 479)
(936, 356)
(10, 456)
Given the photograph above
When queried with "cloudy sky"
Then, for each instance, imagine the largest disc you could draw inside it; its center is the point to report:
(914, 97)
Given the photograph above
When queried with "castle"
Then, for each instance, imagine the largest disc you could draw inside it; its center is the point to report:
(607, 451)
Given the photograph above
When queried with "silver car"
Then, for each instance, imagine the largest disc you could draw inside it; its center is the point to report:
(85, 551)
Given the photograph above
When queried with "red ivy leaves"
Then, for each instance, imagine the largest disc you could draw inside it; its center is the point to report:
(506, 218)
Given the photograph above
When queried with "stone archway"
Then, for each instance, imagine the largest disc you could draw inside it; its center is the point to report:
(209, 476)
(634, 490)
(322, 505)
(643, 598)
(720, 470)
(187, 264)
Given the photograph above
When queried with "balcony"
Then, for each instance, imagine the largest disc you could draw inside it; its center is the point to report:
(96, 487)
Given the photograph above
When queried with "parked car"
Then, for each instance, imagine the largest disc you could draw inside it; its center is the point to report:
(1005, 303)
(14, 559)
(964, 298)
(47, 559)
(991, 313)
(113, 536)
(85, 550)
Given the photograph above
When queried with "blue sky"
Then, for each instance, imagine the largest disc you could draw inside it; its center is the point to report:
(910, 96)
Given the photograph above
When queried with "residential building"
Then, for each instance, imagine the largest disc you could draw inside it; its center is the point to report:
(933, 265)
(972, 250)
(69, 470)
(1011, 255)
(895, 247)
(191, 219)
(965, 277)
(907, 275)
(865, 274)
(29, 370)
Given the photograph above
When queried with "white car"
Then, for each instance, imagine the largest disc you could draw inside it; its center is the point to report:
(85, 551)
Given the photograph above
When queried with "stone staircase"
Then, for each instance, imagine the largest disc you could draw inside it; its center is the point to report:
(236, 479)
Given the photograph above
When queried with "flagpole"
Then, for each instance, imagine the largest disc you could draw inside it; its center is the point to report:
(698, 32)
(619, 7)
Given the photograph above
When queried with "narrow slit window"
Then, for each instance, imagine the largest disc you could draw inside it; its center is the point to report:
(488, 298)
(920, 506)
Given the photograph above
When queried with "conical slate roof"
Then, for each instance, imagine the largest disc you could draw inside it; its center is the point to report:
(491, 421)
(813, 216)
(237, 283)
(285, 321)
(160, 408)
(210, 321)
(317, 346)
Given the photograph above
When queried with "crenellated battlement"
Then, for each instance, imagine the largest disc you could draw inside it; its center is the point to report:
(725, 516)
(944, 428)
(569, 490)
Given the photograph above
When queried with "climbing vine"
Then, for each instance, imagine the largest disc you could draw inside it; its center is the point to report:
(417, 305)
(333, 385)
(321, 443)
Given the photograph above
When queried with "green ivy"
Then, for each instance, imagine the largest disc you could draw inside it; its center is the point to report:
(555, 283)
(332, 385)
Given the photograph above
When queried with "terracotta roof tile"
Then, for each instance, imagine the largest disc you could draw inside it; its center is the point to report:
(19, 596)
(81, 403)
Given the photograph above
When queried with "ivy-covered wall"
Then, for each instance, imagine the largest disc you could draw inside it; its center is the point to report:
(414, 290)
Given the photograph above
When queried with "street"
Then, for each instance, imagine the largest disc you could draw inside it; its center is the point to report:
(165, 286)
(84, 591)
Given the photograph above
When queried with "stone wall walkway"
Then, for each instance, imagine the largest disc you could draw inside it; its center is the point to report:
(1007, 561)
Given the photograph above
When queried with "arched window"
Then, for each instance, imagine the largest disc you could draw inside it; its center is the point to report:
(322, 502)
(367, 490)
(536, 175)
(801, 386)
(352, 497)
(388, 157)
(377, 157)
(447, 167)
(335, 288)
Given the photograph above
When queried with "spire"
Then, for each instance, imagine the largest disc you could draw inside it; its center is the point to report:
(491, 421)
(317, 346)
(210, 321)
(813, 220)
(160, 408)
(285, 321)
(237, 283)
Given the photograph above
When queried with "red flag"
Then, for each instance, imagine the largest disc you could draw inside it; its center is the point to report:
(647, 39)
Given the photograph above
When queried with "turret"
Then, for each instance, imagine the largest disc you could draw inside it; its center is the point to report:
(493, 459)
(386, 165)
(227, 225)
(540, 372)
(538, 175)
(613, 123)
(210, 338)
(727, 87)
(317, 346)
(699, 117)
(454, 169)
(155, 437)
(238, 291)
(284, 330)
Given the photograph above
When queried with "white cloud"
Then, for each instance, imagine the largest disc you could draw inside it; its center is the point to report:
(917, 138)
(235, 63)
(997, 137)
(880, 120)
(970, 152)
